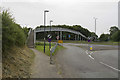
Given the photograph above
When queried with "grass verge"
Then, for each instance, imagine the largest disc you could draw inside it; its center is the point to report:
(17, 63)
(40, 47)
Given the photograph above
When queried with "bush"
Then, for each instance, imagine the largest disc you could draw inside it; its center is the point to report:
(104, 37)
(116, 36)
(13, 34)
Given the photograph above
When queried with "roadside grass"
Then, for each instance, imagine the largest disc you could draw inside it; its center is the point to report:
(40, 47)
(17, 62)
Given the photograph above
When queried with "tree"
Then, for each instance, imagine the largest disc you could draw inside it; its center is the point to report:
(113, 30)
(104, 37)
(93, 36)
(12, 33)
(116, 36)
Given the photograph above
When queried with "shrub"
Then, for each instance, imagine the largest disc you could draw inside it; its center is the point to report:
(12, 33)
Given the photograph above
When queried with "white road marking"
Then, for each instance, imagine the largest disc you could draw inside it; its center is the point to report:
(91, 53)
(86, 51)
(110, 66)
(102, 62)
(90, 56)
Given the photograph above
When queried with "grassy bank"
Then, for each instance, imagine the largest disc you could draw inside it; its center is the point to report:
(17, 63)
(40, 47)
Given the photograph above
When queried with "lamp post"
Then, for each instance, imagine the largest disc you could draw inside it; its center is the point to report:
(50, 32)
(95, 26)
(44, 26)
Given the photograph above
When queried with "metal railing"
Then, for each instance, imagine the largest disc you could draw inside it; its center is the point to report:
(52, 50)
(59, 29)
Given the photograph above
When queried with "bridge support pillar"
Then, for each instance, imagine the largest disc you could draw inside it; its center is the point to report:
(78, 37)
(75, 37)
(60, 35)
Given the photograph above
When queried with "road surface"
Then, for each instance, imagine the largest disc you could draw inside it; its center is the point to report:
(75, 62)
(42, 68)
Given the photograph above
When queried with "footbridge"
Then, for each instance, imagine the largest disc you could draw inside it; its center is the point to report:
(80, 35)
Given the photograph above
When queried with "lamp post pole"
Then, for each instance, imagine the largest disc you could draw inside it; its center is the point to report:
(95, 26)
(50, 33)
(44, 26)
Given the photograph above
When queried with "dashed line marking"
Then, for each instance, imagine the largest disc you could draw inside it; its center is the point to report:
(91, 53)
(86, 51)
(102, 62)
(110, 66)
(90, 56)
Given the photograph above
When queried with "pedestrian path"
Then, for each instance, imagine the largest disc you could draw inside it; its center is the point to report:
(42, 68)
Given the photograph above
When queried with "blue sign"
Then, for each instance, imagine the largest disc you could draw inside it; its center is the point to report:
(69, 35)
(88, 40)
(49, 40)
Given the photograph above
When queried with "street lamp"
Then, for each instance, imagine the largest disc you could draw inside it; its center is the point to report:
(44, 26)
(95, 25)
(50, 32)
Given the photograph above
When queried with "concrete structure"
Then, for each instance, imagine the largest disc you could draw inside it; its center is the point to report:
(61, 30)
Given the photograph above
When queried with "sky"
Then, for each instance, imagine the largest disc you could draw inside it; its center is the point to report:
(70, 12)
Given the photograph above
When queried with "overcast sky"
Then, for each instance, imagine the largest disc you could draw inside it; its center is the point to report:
(70, 12)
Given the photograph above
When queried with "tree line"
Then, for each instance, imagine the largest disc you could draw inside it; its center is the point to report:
(114, 35)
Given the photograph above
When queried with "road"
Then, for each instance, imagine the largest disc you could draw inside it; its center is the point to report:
(75, 62)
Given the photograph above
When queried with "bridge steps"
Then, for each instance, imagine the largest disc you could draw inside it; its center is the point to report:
(30, 42)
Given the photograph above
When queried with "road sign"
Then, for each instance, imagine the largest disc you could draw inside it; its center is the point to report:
(49, 36)
(60, 41)
(69, 35)
(88, 40)
(49, 40)
(57, 37)
(91, 48)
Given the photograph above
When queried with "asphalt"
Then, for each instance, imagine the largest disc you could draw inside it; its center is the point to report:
(42, 67)
(76, 62)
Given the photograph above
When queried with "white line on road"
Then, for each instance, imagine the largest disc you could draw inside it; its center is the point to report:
(86, 51)
(110, 66)
(91, 53)
(90, 56)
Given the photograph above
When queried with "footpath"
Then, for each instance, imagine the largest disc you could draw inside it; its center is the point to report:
(42, 68)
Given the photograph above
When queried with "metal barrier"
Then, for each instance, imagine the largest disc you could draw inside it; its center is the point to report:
(52, 50)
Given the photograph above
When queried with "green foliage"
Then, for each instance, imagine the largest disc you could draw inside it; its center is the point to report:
(104, 37)
(113, 30)
(12, 33)
(116, 36)
(26, 30)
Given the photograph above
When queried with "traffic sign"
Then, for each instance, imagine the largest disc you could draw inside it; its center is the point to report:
(88, 40)
(69, 35)
(49, 40)
(91, 48)
(57, 37)
(49, 36)
(60, 41)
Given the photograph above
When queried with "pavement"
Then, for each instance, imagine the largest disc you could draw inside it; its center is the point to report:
(76, 62)
(42, 67)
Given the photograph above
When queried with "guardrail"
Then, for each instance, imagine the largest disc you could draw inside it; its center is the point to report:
(52, 50)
